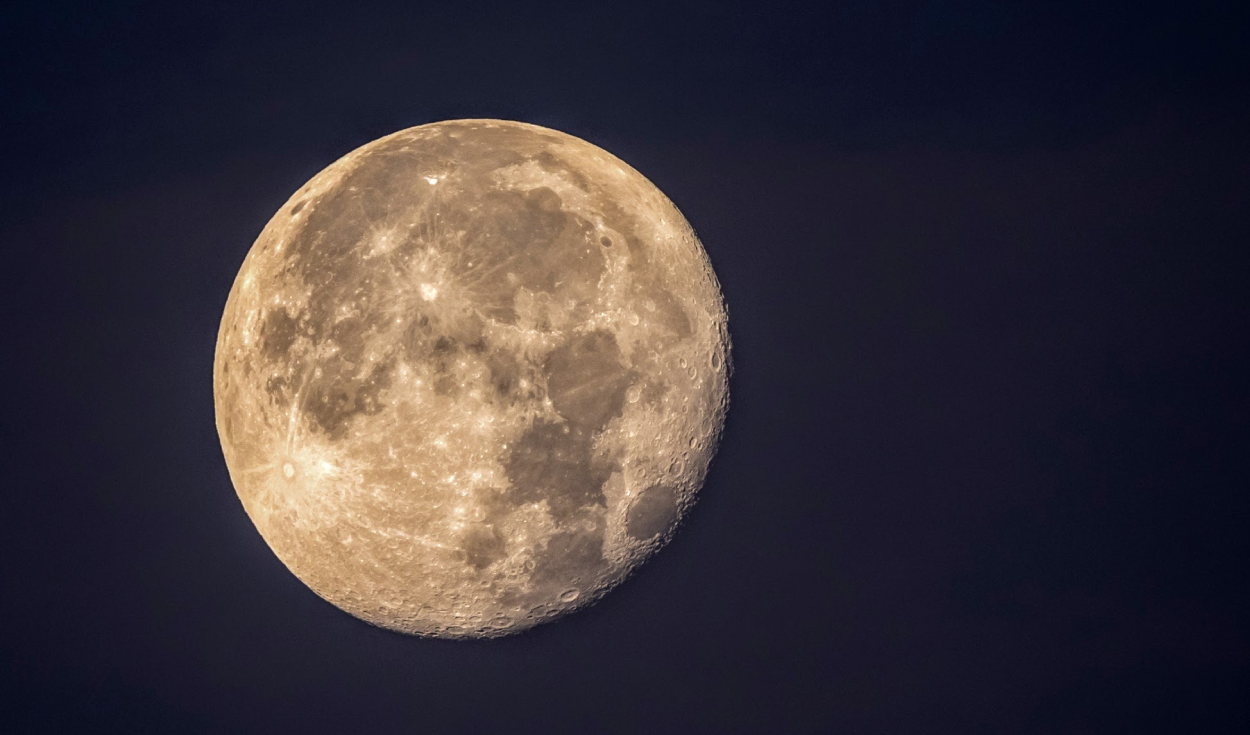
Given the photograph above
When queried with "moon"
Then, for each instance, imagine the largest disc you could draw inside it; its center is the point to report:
(470, 376)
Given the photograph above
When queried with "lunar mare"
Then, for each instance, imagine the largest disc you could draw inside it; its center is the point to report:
(470, 376)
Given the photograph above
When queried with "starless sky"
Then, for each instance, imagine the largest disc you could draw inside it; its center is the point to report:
(985, 464)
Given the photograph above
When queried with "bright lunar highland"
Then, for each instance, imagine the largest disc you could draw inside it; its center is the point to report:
(470, 376)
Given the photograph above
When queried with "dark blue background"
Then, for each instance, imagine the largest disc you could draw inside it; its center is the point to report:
(985, 468)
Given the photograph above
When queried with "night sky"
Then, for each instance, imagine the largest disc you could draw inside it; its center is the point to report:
(987, 462)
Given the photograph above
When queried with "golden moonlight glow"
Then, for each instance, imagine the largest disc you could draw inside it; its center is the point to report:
(469, 376)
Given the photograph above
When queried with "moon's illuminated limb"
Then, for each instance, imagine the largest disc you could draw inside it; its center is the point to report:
(469, 376)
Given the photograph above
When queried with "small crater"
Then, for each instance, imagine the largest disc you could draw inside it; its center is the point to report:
(569, 595)
(297, 207)
(605, 241)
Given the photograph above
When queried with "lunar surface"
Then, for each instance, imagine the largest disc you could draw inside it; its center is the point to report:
(470, 376)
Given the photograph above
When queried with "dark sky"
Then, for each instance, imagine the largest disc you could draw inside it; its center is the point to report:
(986, 465)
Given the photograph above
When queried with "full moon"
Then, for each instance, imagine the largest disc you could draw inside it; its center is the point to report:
(470, 376)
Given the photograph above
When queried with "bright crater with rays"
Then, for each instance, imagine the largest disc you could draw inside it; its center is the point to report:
(470, 376)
